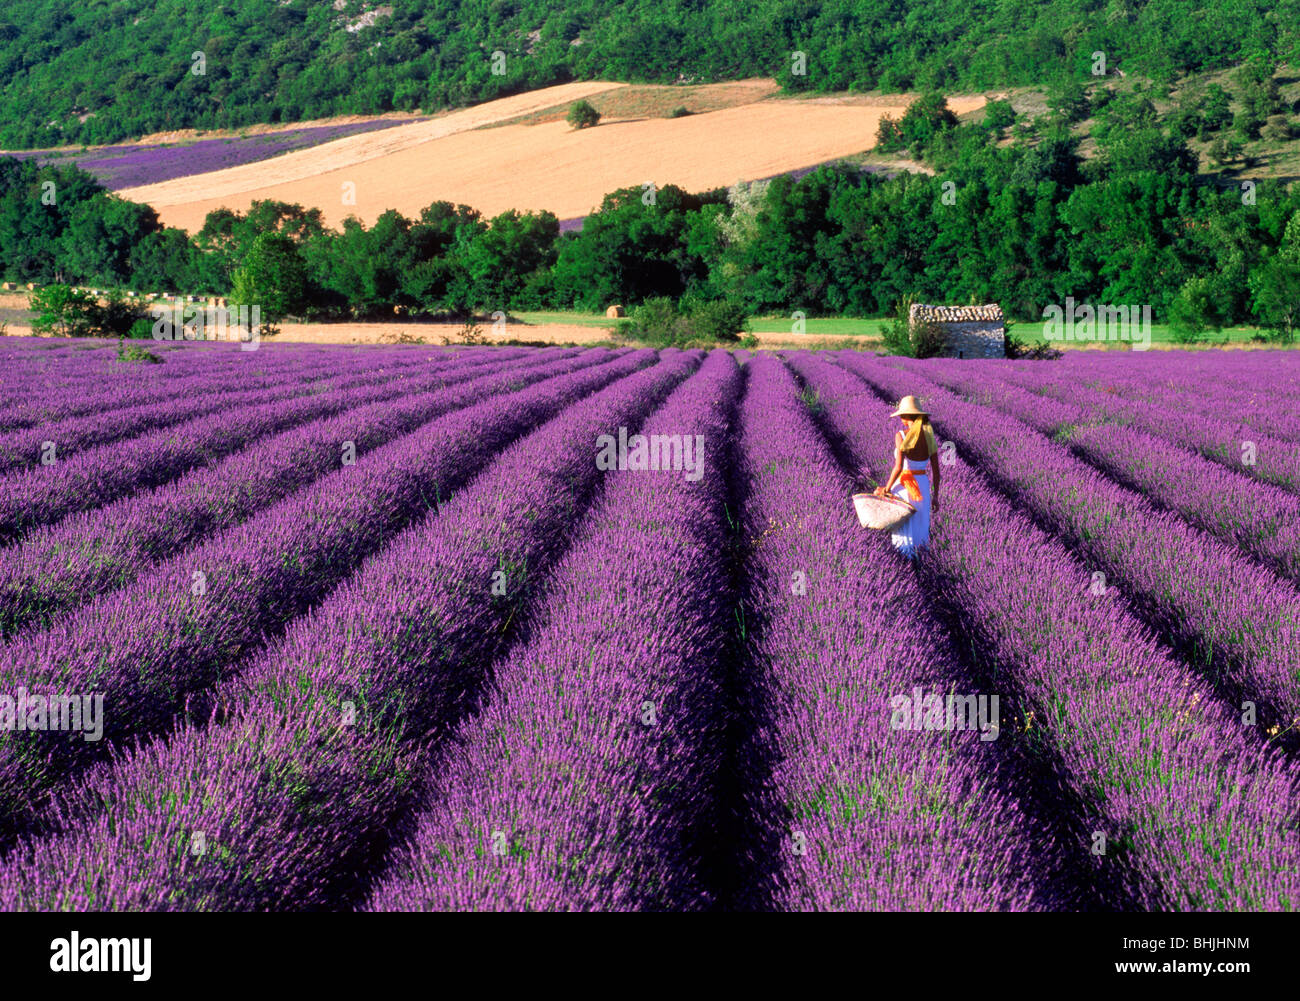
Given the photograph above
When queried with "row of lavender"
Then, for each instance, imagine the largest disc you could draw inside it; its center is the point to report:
(663, 708)
(131, 165)
(1189, 809)
(63, 564)
(338, 732)
(188, 620)
(318, 745)
(1237, 619)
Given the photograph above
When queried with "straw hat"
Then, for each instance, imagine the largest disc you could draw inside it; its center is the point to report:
(909, 408)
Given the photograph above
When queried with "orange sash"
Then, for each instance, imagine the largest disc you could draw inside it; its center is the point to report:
(908, 479)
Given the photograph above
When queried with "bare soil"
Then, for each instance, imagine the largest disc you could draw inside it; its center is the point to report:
(547, 165)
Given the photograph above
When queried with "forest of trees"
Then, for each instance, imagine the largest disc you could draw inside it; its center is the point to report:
(1025, 224)
(99, 71)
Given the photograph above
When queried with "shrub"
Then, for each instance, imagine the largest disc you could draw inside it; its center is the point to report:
(582, 115)
(913, 340)
(133, 352)
(1224, 150)
(1042, 351)
(661, 322)
(402, 337)
(895, 338)
(888, 135)
(1071, 102)
(1215, 111)
(999, 115)
(470, 332)
(657, 321)
(1193, 311)
(66, 312)
(681, 111)
(117, 316)
(718, 320)
(924, 119)
(62, 311)
(1247, 124)
(929, 339)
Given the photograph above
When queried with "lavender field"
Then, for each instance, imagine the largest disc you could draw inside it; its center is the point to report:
(334, 628)
(132, 165)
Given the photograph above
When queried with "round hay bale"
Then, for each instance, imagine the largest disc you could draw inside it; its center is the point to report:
(615, 311)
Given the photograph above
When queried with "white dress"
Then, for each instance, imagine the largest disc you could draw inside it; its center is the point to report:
(913, 533)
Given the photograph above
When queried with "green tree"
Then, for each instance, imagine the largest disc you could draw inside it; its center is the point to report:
(637, 245)
(888, 135)
(100, 235)
(1194, 310)
(500, 261)
(999, 115)
(1275, 285)
(272, 277)
(924, 119)
(582, 115)
(1071, 102)
(62, 311)
(1215, 111)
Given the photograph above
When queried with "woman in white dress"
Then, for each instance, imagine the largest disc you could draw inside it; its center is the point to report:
(915, 476)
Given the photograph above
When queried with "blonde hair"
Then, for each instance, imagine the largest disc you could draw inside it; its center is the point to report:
(918, 430)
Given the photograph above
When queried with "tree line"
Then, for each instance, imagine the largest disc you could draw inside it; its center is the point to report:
(100, 72)
(1013, 214)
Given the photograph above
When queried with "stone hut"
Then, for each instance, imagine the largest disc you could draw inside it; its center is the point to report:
(973, 331)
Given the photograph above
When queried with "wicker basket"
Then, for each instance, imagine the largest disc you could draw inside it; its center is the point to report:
(881, 513)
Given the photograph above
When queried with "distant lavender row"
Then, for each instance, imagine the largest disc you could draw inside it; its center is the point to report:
(1259, 518)
(1223, 439)
(172, 634)
(129, 166)
(25, 450)
(1211, 826)
(1260, 405)
(587, 782)
(293, 791)
(1236, 370)
(174, 438)
(1240, 620)
(48, 404)
(67, 564)
(94, 381)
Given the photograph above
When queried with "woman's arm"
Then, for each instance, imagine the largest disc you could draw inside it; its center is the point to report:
(934, 482)
(897, 471)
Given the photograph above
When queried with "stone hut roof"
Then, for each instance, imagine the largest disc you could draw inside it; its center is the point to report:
(924, 313)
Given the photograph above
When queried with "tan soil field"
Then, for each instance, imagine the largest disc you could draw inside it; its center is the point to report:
(229, 186)
(386, 331)
(544, 166)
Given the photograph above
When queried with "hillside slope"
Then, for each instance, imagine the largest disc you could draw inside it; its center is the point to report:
(101, 71)
(547, 166)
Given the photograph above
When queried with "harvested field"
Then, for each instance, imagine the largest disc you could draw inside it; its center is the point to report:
(543, 166)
